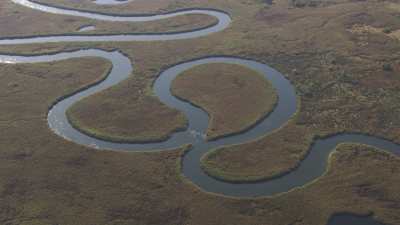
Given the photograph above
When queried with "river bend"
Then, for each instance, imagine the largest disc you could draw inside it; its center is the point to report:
(311, 168)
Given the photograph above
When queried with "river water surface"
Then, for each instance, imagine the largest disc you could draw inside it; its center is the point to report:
(311, 168)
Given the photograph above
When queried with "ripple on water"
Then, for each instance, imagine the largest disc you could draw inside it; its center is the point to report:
(312, 167)
(86, 28)
(111, 2)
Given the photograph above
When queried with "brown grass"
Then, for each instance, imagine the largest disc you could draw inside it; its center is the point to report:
(136, 7)
(234, 96)
(230, 163)
(12, 15)
(340, 81)
(141, 119)
(341, 84)
(45, 179)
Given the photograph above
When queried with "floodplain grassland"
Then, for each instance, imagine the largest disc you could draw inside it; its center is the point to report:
(229, 163)
(235, 97)
(133, 7)
(321, 57)
(320, 76)
(13, 15)
(149, 120)
(13, 83)
(342, 86)
(42, 174)
(345, 86)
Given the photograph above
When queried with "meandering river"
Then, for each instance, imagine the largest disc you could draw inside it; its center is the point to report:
(312, 167)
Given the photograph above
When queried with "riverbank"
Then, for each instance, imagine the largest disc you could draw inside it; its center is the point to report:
(319, 100)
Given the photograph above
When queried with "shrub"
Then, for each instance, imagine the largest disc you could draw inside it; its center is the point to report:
(387, 67)
(387, 30)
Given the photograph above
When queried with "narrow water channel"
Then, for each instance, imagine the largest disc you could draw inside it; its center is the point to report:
(312, 167)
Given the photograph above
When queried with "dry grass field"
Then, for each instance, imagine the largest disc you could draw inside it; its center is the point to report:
(45, 179)
(132, 7)
(235, 97)
(346, 81)
(13, 16)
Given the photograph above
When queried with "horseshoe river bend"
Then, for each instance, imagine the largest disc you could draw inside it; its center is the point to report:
(311, 168)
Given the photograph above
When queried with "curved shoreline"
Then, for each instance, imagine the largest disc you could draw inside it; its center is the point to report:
(244, 128)
(115, 139)
(224, 21)
(119, 15)
(111, 2)
(311, 168)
